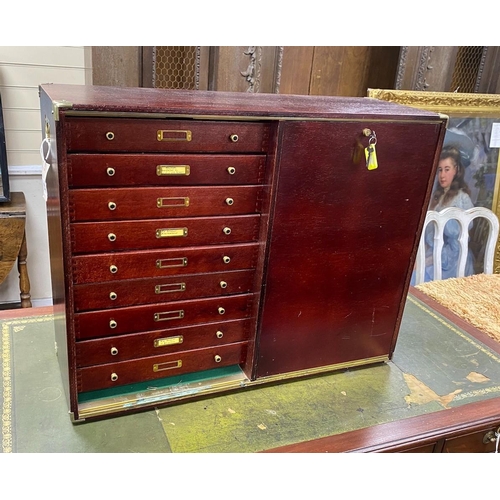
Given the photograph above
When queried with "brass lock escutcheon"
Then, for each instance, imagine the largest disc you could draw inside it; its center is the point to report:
(112, 205)
(223, 284)
(114, 377)
(491, 436)
(112, 237)
(113, 296)
(114, 351)
(227, 230)
(234, 138)
(110, 171)
(226, 259)
(231, 170)
(110, 136)
(217, 358)
(221, 310)
(174, 135)
(113, 324)
(219, 334)
(229, 201)
(113, 269)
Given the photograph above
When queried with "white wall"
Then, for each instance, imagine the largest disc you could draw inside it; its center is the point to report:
(22, 70)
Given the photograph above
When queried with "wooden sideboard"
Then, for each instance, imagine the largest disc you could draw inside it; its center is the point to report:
(211, 233)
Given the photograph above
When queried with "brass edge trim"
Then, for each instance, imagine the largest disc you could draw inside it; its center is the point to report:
(447, 102)
(246, 118)
(89, 410)
(57, 105)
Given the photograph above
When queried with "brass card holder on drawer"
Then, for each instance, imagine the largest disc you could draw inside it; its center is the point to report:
(171, 232)
(174, 135)
(159, 367)
(166, 341)
(180, 201)
(174, 262)
(172, 170)
(170, 287)
(168, 315)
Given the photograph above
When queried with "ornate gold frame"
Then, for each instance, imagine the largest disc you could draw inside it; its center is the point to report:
(452, 104)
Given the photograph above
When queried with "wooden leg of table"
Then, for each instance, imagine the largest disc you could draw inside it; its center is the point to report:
(24, 281)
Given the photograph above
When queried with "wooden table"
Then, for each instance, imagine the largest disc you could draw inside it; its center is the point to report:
(13, 243)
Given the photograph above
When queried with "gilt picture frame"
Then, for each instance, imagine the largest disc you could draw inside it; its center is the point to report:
(474, 122)
(4, 177)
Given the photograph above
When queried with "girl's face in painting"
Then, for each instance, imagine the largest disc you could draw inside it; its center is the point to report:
(446, 172)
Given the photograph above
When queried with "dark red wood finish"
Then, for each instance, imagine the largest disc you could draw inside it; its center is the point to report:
(91, 170)
(140, 370)
(166, 262)
(155, 203)
(140, 345)
(140, 135)
(161, 316)
(341, 243)
(90, 237)
(294, 147)
(123, 293)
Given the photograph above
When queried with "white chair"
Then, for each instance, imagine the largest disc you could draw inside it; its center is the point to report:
(464, 218)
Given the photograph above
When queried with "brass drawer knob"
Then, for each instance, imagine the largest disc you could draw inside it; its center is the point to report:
(226, 259)
(113, 269)
(110, 136)
(229, 201)
(111, 236)
(223, 284)
(219, 334)
(233, 138)
(217, 358)
(114, 351)
(113, 324)
(114, 377)
(110, 171)
(227, 230)
(221, 310)
(113, 296)
(231, 170)
(112, 205)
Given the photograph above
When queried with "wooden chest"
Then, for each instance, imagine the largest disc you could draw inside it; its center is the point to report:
(207, 241)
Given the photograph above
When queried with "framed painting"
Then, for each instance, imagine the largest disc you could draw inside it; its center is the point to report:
(4, 177)
(473, 129)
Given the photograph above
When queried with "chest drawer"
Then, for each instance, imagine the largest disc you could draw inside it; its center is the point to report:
(161, 316)
(150, 290)
(143, 369)
(158, 263)
(88, 170)
(151, 135)
(139, 345)
(88, 237)
(155, 203)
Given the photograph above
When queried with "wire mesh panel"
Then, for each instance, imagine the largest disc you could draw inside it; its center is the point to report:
(466, 71)
(176, 68)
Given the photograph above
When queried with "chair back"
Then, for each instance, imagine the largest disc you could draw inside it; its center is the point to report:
(464, 218)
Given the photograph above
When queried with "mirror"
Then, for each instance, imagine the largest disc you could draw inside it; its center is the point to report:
(4, 178)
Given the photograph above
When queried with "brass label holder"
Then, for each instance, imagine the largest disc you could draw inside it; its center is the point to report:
(172, 170)
(159, 367)
(171, 232)
(166, 341)
(175, 262)
(169, 315)
(180, 201)
(174, 135)
(170, 287)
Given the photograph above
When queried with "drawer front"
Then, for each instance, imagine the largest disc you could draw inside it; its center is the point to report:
(88, 237)
(151, 135)
(89, 170)
(475, 442)
(177, 314)
(140, 345)
(159, 263)
(143, 369)
(155, 203)
(152, 290)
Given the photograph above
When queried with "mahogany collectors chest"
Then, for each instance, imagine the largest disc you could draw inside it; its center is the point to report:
(207, 241)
